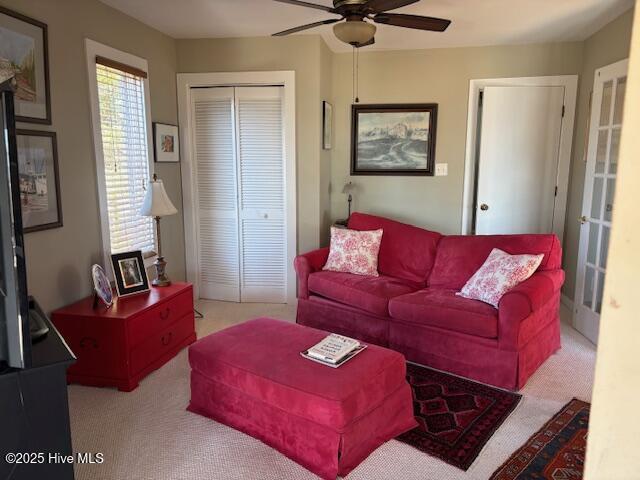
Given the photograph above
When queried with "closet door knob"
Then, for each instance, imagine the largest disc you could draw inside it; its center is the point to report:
(484, 207)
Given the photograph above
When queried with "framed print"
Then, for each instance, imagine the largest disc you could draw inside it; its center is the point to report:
(101, 286)
(327, 125)
(166, 143)
(393, 139)
(39, 182)
(129, 272)
(24, 54)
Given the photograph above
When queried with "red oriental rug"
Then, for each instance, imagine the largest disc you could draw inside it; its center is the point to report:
(556, 451)
(456, 416)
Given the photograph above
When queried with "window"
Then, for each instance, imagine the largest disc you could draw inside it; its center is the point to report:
(120, 120)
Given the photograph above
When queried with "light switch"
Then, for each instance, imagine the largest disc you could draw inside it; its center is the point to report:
(442, 169)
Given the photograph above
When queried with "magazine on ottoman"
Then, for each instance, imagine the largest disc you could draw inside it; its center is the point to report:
(334, 350)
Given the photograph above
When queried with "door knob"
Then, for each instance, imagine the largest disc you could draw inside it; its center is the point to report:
(583, 219)
(484, 207)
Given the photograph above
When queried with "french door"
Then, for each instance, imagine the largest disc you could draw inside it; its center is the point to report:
(599, 190)
(238, 158)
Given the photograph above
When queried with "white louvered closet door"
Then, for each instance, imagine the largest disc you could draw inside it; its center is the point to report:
(261, 185)
(216, 193)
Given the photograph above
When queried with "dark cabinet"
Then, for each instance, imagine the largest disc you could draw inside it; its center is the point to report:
(34, 413)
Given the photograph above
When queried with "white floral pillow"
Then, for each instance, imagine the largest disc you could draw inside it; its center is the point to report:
(499, 274)
(353, 251)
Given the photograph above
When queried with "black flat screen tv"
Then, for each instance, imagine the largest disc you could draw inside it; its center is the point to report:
(15, 338)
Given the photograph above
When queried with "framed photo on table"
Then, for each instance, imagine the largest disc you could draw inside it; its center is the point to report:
(166, 143)
(393, 139)
(39, 182)
(101, 286)
(24, 55)
(129, 273)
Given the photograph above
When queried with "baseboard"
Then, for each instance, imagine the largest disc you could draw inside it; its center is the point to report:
(567, 302)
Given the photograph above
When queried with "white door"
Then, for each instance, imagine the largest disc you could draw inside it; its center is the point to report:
(261, 174)
(216, 193)
(239, 171)
(599, 189)
(518, 159)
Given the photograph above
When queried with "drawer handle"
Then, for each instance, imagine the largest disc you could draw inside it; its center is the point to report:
(87, 342)
(166, 339)
(164, 315)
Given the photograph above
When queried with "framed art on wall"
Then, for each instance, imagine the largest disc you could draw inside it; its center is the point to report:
(327, 125)
(24, 54)
(39, 182)
(129, 273)
(166, 143)
(393, 139)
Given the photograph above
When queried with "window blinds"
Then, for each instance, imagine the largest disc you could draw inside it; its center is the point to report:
(125, 152)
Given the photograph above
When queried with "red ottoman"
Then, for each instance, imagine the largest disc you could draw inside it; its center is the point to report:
(252, 378)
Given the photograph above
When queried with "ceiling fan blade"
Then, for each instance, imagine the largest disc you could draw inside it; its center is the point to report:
(413, 21)
(366, 44)
(377, 6)
(306, 27)
(307, 4)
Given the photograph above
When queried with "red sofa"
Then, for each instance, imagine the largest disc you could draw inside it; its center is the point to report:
(412, 307)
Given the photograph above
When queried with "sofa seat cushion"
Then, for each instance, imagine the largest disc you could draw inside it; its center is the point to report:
(371, 294)
(443, 309)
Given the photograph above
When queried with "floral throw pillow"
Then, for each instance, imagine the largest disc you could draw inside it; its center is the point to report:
(353, 251)
(499, 274)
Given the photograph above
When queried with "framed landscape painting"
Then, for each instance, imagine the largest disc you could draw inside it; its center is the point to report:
(393, 139)
(23, 55)
(39, 183)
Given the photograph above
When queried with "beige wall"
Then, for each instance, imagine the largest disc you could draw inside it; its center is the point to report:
(612, 449)
(303, 54)
(59, 260)
(326, 94)
(441, 76)
(607, 46)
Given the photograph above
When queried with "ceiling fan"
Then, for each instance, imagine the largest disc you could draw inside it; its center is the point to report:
(358, 32)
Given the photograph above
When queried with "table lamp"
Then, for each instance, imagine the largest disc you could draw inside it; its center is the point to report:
(349, 188)
(157, 205)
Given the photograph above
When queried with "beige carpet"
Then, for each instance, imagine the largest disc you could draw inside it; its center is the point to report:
(148, 435)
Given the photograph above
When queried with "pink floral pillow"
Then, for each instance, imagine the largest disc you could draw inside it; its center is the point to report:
(353, 251)
(499, 274)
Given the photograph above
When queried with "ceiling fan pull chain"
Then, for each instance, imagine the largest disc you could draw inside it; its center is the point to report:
(353, 74)
(357, 74)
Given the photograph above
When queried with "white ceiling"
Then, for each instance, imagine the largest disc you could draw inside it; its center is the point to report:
(475, 22)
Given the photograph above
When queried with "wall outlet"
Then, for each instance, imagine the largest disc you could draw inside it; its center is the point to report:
(442, 169)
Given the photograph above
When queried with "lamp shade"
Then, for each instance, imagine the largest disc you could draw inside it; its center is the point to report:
(156, 201)
(354, 32)
(349, 187)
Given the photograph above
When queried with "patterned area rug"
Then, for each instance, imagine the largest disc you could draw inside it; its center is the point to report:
(457, 416)
(556, 452)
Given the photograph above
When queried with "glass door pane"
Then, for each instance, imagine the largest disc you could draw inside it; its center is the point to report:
(621, 89)
(589, 280)
(605, 110)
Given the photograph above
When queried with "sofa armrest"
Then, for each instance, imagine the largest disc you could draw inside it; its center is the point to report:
(305, 265)
(524, 299)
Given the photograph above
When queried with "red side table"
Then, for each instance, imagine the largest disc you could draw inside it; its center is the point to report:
(119, 346)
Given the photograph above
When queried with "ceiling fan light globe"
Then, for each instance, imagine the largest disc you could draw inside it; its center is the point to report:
(354, 32)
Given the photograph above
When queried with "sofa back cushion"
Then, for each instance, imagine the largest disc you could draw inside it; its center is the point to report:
(460, 256)
(406, 252)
